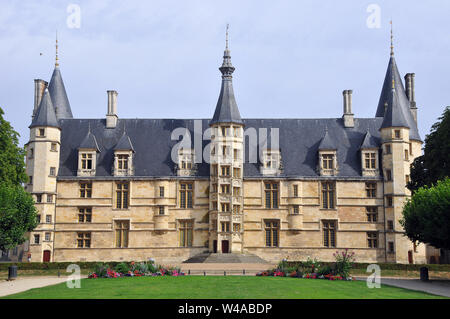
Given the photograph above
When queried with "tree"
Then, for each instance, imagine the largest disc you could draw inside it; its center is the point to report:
(12, 166)
(17, 212)
(17, 216)
(426, 216)
(434, 165)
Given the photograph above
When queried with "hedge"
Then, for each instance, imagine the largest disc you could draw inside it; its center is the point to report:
(385, 266)
(90, 265)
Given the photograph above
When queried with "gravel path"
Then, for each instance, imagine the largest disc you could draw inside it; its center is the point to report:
(26, 283)
(435, 287)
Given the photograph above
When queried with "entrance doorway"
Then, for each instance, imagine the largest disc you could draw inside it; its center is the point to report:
(46, 257)
(225, 248)
(215, 246)
(410, 257)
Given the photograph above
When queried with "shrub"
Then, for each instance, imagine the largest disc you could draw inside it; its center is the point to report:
(122, 268)
(344, 262)
(325, 270)
(101, 269)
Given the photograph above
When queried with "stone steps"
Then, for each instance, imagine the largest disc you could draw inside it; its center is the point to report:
(226, 258)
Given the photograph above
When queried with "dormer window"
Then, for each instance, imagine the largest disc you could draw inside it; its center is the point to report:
(186, 163)
(86, 162)
(369, 162)
(123, 165)
(271, 164)
(328, 163)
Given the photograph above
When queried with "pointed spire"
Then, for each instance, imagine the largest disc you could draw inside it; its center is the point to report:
(89, 142)
(124, 143)
(56, 56)
(393, 92)
(392, 40)
(45, 114)
(327, 143)
(395, 111)
(226, 108)
(368, 141)
(58, 91)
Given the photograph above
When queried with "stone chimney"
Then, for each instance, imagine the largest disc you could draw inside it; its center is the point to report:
(411, 94)
(348, 115)
(39, 88)
(111, 116)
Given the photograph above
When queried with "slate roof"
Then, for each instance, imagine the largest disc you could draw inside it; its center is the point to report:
(124, 143)
(394, 115)
(299, 143)
(59, 96)
(45, 114)
(89, 142)
(226, 109)
(327, 143)
(403, 102)
(369, 141)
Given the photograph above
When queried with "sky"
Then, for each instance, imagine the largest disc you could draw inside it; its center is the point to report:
(293, 58)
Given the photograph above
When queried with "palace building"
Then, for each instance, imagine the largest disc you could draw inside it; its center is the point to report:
(113, 189)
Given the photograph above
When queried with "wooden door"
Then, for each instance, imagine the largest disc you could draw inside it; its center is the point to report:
(46, 258)
(224, 246)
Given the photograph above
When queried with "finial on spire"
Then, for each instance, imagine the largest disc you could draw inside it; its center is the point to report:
(226, 41)
(392, 40)
(56, 58)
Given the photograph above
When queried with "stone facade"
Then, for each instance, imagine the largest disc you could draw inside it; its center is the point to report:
(124, 212)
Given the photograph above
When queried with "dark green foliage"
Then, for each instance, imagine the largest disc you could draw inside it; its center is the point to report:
(426, 217)
(101, 269)
(12, 165)
(325, 270)
(434, 165)
(17, 215)
(123, 268)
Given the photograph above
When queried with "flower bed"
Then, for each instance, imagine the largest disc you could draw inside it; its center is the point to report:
(314, 269)
(133, 270)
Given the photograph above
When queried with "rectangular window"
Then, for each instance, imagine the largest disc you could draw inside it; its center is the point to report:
(372, 214)
(406, 155)
(391, 246)
(41, 132)
(390, 201)
(410, 148)
(53, 147)
(86, 161)
(185, 230)
(236, 209)
(161, 210)
(237, 172)
(328, 195)
(225, 170)
(52, 171)
(37, 239)
(388, 149)
(327, 161)
(371, 190)
(295, 209)
(388, 175)
(85, 215)
(122, 161)
(272, 231)
(186, 195)
(49, 198)
(85, 190)
(225, 207)
(390, 225)
(407, 179)
(30, 180)
(397, 133)
(83, 240)
(271, 192)
(329, 233)
(370, 160)
(225, 226)
(47, 236)
(122, 195)
(38, 198)
(122, 230)
(48, 219)
(39, 219)
(161, 191)
(372, 239)
(236, 228)
(295, 190)
(31, 153)
(225, 189)
(236, 191)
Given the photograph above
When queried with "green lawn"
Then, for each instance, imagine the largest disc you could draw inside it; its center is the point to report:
(219, 287)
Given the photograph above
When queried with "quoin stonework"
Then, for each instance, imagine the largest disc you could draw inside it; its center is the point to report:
(113, 189)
